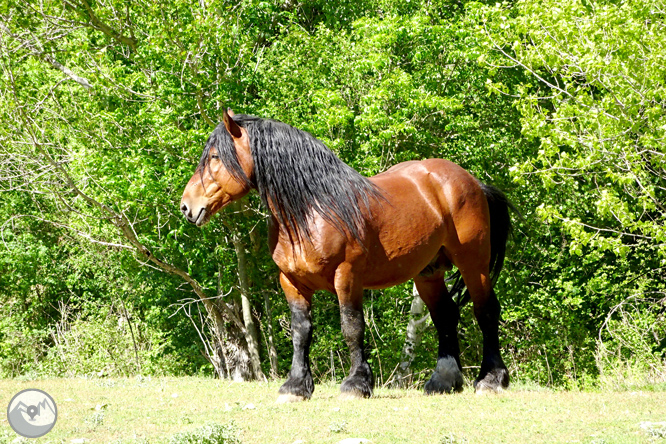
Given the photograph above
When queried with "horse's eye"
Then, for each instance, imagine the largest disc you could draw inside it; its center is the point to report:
(215, 156)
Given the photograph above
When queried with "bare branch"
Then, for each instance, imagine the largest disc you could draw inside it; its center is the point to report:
(96, 23)
(120, 221)
(47, 58)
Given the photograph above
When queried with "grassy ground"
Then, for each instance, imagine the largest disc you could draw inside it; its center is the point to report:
(153, 410)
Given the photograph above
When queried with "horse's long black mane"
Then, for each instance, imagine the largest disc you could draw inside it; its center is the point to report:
(296, 175)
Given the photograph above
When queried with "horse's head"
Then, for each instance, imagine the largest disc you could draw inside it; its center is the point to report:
(224, 174)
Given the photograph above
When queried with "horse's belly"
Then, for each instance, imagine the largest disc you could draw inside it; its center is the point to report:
(398, 276)
(383, 272)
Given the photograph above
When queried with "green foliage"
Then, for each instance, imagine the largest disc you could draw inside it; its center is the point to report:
(632, 350)
(108, 344)
(594, 103)
(208, 434)
(561, 104)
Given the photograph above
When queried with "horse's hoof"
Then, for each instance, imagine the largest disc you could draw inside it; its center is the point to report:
(296, 388)
(349, 396)
(288, 397)
(359, 383)
(483, 388)
(446, 378)
(355, 387)
(439, 388)
(495, 381)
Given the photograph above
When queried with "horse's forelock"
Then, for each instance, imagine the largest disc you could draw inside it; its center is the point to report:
(222, 141)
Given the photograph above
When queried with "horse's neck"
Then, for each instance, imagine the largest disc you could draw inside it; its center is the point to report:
(280, 234)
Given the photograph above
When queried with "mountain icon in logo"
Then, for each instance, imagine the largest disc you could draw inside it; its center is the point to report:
(32, 413)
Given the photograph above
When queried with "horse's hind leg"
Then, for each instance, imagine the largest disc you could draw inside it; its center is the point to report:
(493, 375)
(360, 382)
(299, 385)
(444, 312)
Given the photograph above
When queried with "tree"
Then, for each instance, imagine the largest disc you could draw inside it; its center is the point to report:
(107, 105)
(594, 102)
(69, 134)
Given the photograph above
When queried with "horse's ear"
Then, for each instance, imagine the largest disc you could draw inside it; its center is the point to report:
(230, 112)
(231, 126)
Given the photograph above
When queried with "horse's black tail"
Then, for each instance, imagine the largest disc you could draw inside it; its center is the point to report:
(500, 229)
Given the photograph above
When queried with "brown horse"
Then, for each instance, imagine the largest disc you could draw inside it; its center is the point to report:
(333, 229)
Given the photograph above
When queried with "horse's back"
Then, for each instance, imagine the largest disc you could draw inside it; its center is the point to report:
(432, 207)
(435, 186)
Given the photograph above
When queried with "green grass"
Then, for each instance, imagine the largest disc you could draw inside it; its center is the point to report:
(168, 409)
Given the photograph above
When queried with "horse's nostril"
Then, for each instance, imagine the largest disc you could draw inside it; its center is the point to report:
(184, 209)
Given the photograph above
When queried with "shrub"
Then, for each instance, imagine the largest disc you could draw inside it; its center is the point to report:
(109, 344)
(631, 349)
(208, 434)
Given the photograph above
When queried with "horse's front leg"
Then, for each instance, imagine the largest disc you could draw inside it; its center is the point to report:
(360, 382)
(299, 385)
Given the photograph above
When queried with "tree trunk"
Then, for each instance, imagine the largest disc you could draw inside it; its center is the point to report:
(239, 357)
(251, 335)
(272, 352)
(412, 339)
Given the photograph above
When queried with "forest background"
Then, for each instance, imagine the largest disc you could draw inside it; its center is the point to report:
(106, 105)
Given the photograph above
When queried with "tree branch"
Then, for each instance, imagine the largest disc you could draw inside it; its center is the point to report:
(120, 221)
(202, 109)
(47, 58)
(96, 23)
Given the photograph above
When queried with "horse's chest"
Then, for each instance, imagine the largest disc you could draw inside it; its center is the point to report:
(302, 263)
(312, 262)
(294, 263)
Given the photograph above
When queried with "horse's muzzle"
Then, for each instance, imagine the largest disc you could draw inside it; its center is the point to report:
(199, 218)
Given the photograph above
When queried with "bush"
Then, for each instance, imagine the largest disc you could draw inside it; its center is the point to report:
(208, 434)
(110, 344)
(631, 349)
